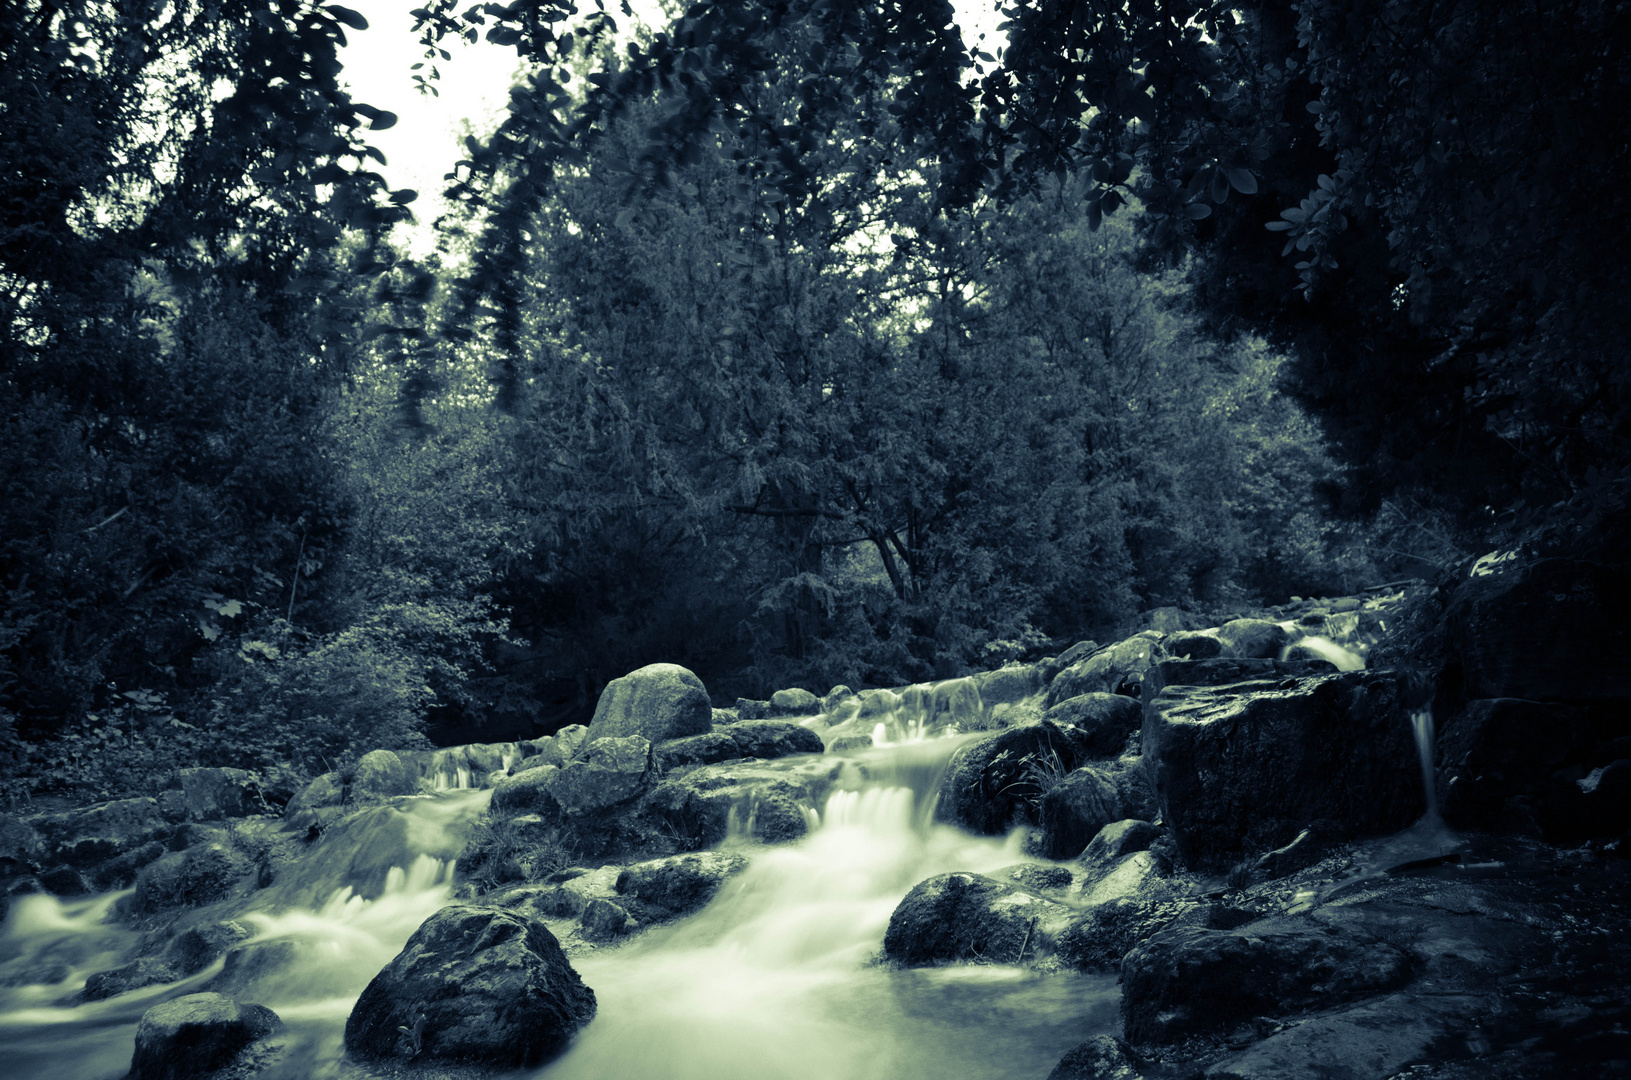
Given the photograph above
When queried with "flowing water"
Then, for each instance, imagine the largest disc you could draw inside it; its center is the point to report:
(775, 979)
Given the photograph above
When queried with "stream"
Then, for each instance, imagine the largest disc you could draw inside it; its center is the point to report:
(775, 978)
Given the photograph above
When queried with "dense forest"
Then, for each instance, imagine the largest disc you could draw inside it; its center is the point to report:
(801, 343)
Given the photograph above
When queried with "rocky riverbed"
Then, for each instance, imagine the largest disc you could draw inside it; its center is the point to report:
(1368, 836)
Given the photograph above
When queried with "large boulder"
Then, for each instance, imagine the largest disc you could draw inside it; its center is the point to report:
(961, 917)
(1071, 812)
(715, 746)
(1117, 840)
(1118, 669)
(1253, 638)
(794, 701)
(473, 984)
(1245, 768)
(380, 774)
(1189, 980)
(656, 702)
(195, 1035)
(1193, 645)
(211, 794)
(1008, 685)
(611, 771)
(772, 739)
(994, 784)
(530, 791)
(1534, 768)
(1550, 630)
(95, 834)
(1105, 720)
(697, 809)
(202, 874)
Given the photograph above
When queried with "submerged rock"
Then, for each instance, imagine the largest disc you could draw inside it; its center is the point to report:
(656, 702)
(473, 984)
(195, 1035)
(961, 917)
(1190, 980)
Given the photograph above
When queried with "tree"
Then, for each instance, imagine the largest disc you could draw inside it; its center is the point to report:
(1419, 201)
(171, 306)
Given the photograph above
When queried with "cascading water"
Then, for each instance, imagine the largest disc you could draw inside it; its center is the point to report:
(1421, 725)
(774, 979)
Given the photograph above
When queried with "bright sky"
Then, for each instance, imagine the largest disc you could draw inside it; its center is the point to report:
(474, 88)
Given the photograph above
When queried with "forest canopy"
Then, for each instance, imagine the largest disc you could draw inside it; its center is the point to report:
(799, 342)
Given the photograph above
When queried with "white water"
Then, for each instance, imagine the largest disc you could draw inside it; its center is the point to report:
(775, 980)
(1421, 725)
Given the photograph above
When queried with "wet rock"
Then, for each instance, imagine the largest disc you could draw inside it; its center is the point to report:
(1071, 812)
(1245, 768)
(1130, 876)
(146, 971)
(194, 1035)
(706, 749)
(991, 785)
(20, 846)
(850, 742)
(1517, 766)
(1224, 670)
(1551, 630)
(878, 704)
(1251, 638)
(1033, 876)
(1099, 939)
(773, 739)
(95, 834)
(794, 702)
(680, 884)
(603, 920)
(1009, 685)
(1100, 1058)
(1105, 720)
(962, 917)
(1118, 669)
(695, 809)
(200, 875)
(1383, 1037)
(380, 774)
(1305, 849)
(751, 709)
(1075, 654)
(308, 805)
(1119, 839)
(119, 872)
(62, 881)
(479, 985)
(611, 771)
(656, 702)
(211, 794)
(566, 894)
(1193, 645)
(528, 792)
(1188, 980)
(957, 701)
(835, 697)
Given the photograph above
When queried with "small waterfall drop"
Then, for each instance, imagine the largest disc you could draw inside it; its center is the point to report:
(1421, 724)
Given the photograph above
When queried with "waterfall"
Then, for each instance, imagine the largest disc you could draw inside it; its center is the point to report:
(1421, 724)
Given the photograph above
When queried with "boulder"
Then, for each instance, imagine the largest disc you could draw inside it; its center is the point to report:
(62, 881)
(202, 874)
(211, 794)
(1549, 630)
(121, 870)
(1100, 1058)
(794, 702)
(380, 774)
(1118, 669)
(21, 848)
(194, 1035)
(1510, 765)
(680, 884)
(835, 697)
(1052, 666)
(1100, 938)
(603, 920)
(957, 701)
(566, 894)
(656, 702)
(1105, 720)
(1009, 685)
(1119, 839)
(611, 771)
(1224, 670)
(528, 792)
(1193, 645)
(1130, 876)
(992, 785)
(962, 917)
(773, 739)
(1039, 876)
(473, 984)
(696, 809)
(1253, 638)
(1189, 980)
(707, 749)
(1071, 812)
(1245, 768)
(751, 709)
(572, 737)
(305, 809)
(878, 704)
(82, 838)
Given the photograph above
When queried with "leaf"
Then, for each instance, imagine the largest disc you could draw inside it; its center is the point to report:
(383, 120)
(1198, 210)
(1243, 181)
(1315, 107)
(403, 196)
(1277, 226)
(345, 15)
